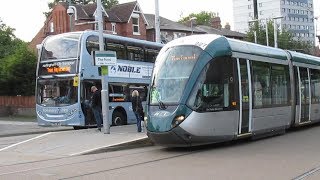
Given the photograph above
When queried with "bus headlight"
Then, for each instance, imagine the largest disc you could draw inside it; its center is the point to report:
(41, 114)
(177, 120)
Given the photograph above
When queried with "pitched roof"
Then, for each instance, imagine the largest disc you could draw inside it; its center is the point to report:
(167, 24)
(122, 12)
(222, 31)
(118, 13)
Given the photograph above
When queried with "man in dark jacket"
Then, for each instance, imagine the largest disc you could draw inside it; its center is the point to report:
(137, 108)
(96, 106)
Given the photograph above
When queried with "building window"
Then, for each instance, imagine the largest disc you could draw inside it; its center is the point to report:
(135, 24)
(113, 28)
(178, 35)
(51, 27)
(249, 6)
(260, 4)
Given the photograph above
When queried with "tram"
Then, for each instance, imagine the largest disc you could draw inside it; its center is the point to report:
(208, 88)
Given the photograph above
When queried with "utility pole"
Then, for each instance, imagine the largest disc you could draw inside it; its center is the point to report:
(70, 17)
(275, 30)
(104, 82)
(157, 22)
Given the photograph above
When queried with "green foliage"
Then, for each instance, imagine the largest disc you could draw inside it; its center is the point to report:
(106, 3)
(18, 72)
(203, 18)
(285, 39)
(7, 40)
(17, 64)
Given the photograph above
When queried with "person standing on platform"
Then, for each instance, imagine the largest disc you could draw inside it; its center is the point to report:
(96, 106)
(137, 108)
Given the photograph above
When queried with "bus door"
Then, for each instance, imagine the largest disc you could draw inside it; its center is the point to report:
(304, 93)
(245, 97)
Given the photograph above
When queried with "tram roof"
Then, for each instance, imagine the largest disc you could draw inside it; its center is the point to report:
(217, 45)
(257, 49)
(304, 58)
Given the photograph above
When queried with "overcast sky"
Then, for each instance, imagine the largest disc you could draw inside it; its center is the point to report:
(27, 17)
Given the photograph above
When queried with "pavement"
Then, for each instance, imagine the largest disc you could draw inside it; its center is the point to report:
(16, 126)
(59, 142)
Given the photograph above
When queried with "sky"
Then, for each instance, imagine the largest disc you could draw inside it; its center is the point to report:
(32, 18)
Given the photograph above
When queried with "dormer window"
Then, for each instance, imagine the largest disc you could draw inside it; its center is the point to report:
(113, 28)
(51, 27)
(135, 24)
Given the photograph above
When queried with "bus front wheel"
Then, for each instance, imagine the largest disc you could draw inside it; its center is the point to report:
(118, 118)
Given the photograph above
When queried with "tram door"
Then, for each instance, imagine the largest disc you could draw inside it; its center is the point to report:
(245, 97)
(304, 100)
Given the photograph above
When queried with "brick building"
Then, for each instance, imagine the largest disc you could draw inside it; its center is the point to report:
(124, 20)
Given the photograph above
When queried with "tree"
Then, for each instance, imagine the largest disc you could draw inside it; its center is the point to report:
(17, 72)
(203, 18)
(7, 40)
(285, 39)
(17, 64)
(106, 3)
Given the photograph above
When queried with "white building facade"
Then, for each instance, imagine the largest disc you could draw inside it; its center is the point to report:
(297, 15)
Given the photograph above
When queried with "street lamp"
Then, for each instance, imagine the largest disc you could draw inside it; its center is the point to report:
(157, 22)
(316, 31)
(72, 11)
(104, 82)
(275, 30)
(191, 21)
(255, 32)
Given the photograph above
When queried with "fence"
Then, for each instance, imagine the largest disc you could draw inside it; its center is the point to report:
(17, 105)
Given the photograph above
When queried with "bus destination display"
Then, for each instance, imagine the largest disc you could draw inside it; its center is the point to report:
(57, 68)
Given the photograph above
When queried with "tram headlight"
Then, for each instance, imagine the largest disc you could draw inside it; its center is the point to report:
(177, 120)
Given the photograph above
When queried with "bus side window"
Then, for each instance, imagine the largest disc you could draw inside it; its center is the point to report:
(151, 55)
(135, 53)
(92, 44)
(118, 48)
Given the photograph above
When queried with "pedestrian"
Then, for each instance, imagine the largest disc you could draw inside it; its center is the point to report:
(137, 108)
(96, 106)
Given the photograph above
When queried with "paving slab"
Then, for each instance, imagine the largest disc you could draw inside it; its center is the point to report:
(70, 143)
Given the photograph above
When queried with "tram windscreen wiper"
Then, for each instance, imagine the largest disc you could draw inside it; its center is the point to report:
(162, 106)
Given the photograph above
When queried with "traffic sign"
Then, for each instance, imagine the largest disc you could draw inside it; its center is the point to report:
(104, 58)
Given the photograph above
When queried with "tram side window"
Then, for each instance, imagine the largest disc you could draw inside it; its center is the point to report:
(261, 84)
(135, 53)
(280, 85)
(270, 84)
(118, 48)
(215, 87)
(315, 86)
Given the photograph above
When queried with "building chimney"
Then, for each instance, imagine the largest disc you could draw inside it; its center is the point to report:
(216, 23)
(227, 26)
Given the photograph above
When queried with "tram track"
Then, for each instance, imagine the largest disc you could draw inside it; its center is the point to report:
(20, 168)
(53, 161)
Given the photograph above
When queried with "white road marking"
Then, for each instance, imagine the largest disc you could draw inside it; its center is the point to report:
(115, 144)
(16, 144)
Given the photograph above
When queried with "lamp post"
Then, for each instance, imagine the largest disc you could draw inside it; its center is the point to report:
(70, 11)
(255, 32)
(157, 21)
(275, 30)
(191, 21)
(104, 82)
(315, 26)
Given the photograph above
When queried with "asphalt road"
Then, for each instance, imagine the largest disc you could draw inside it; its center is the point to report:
(294, 155)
